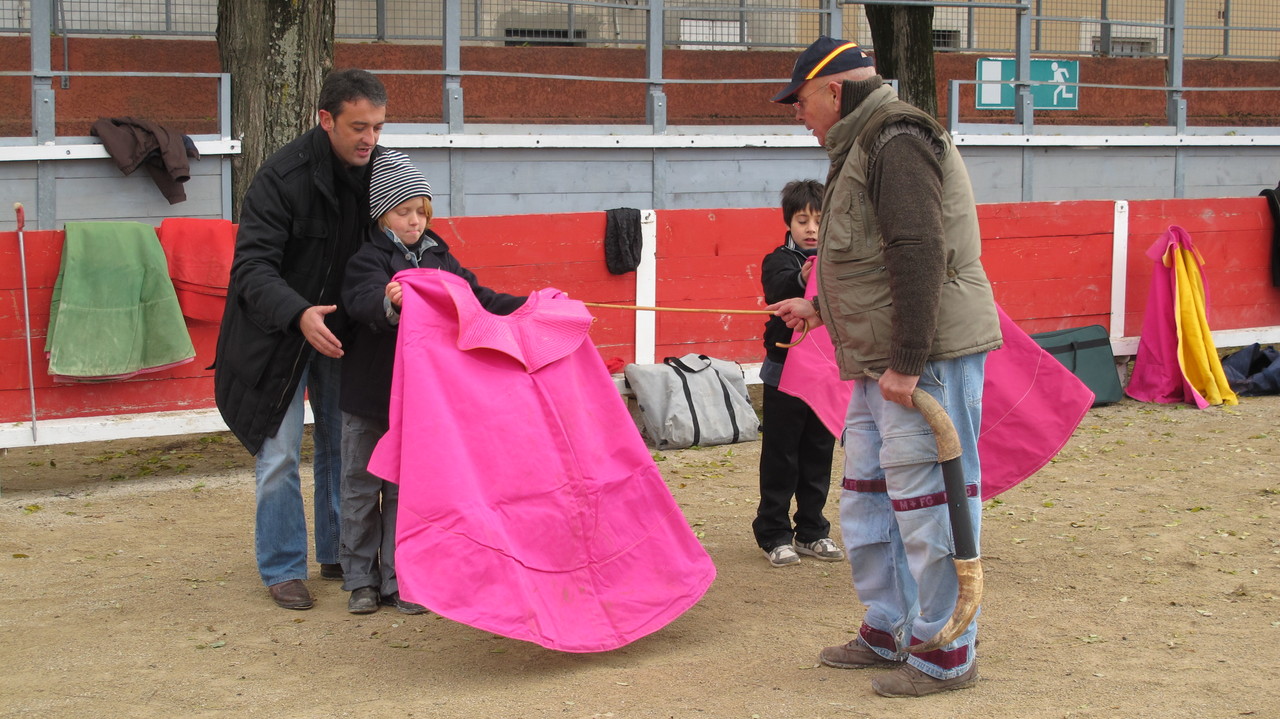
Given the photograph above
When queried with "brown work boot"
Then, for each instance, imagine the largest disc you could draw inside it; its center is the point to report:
(854, 655)
(292, 594)
(911, 682)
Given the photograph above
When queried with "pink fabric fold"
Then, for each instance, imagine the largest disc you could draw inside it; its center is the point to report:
(1031, 403)
(529, 505)
(536, 335)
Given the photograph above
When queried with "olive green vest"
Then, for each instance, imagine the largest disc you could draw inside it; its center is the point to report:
(853, 283)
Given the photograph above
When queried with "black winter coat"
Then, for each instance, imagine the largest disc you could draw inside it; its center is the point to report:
(780, 278)
(370, 353)
(289, 256)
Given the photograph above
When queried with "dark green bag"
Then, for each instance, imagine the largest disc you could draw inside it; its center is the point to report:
(1086, 351)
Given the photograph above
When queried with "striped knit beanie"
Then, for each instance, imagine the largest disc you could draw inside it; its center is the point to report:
(393, 181)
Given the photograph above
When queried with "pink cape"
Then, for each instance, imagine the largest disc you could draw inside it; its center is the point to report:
(529, 505)
(1030, 405)
(1177, 360)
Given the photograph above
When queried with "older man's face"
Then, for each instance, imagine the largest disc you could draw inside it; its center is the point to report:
(817, 105)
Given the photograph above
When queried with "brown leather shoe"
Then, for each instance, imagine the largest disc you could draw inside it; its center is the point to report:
(331, 571)
(854, 655)
(292, 594)
(911, 682)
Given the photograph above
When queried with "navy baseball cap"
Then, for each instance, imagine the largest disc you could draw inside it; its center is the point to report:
(826, 56)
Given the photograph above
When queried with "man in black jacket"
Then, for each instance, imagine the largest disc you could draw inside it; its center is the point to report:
(302, 218)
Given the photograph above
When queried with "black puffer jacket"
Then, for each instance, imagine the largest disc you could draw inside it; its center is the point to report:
(371, 351)
(296, 235)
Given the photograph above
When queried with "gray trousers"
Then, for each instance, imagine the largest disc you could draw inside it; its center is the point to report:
(368, 552)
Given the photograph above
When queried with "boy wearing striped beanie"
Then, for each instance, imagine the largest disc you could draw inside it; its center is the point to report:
(400, 201)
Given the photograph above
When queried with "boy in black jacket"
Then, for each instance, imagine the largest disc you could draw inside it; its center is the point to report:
(400, 201)
(796, 448)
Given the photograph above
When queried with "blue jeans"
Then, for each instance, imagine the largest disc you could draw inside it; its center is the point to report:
(893, 513)
(280, 532)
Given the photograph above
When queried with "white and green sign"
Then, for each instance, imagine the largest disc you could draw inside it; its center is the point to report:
(996, 92)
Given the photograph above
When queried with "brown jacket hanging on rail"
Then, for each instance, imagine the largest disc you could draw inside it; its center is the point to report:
(134, 142)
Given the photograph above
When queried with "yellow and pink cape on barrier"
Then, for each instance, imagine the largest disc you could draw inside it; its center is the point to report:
(1177, 360)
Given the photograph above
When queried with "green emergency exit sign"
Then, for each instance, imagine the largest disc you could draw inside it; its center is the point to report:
(995, 91)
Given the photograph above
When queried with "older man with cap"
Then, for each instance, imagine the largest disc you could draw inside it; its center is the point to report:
(904, 296)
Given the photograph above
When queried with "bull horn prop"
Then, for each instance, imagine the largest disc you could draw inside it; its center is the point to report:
(968, 563)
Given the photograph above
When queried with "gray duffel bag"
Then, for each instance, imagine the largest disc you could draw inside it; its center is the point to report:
(692, 400)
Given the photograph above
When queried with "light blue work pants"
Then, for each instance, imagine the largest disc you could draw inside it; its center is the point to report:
(893, 511)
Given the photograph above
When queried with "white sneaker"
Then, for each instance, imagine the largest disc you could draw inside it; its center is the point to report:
(823, 549)
(783, 555)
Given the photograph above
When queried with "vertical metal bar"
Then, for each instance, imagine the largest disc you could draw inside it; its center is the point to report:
(42, 105)
(224, 132)
(1179, 173)
(43, 111)
(457, 173)
(1104, 31)
(659, 180)
(224, 171)
(835, 19)
(1175, 37)
(1023, 106)
(380, 19)
(1226, 28)
(452, 41)
(656, 104)
(953, 106)
(1039, 26)
(1028, 175)
(971, 26)
(224, 106)
(65, 84)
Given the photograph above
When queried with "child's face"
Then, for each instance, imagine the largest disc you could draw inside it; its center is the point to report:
(804, 227)
(408, 220)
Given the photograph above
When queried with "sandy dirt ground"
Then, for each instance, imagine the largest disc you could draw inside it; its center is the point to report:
(1135, 576)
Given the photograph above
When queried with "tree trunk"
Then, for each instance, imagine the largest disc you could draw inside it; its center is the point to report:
(277, 52)
(903, 39)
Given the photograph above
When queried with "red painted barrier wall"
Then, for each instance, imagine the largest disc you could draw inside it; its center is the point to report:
(1234, 237)
(1050, 262)
(187, 386)
(1050, 266)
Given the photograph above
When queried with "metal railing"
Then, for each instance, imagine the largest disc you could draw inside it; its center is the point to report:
(1233, 29)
